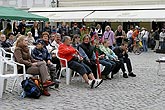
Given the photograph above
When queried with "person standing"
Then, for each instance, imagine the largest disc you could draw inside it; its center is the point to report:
(109, 36)
(22, 27)
(35, 31)
(119, 35)
(144, 36)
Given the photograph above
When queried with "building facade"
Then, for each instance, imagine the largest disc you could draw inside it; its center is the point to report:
(25, 4)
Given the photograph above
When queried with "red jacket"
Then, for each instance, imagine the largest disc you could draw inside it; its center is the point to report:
(66, 52)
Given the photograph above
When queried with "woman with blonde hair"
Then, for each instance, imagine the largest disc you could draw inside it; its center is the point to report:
(22, 55)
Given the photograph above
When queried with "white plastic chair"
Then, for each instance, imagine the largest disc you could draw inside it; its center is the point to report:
(64, 68)
(4, 77)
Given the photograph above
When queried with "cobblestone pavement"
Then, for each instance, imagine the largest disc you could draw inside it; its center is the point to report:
(144, 92)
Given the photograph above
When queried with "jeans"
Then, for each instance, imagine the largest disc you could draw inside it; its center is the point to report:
(108, 66)
(145, 47)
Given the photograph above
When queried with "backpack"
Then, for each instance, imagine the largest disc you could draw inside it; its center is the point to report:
(30, 89)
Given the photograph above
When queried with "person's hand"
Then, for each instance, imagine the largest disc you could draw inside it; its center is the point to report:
(34, 64)
(53, 55)
(49, 62)
(81, 59)
(102, 56)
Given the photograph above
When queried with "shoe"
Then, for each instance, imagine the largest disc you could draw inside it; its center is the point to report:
(112, 75)
(131, 74)
(48, 83)
(108, 77)
(97, 82)
(57, 81)
(91, 83)
(46, 93)
(125, 75)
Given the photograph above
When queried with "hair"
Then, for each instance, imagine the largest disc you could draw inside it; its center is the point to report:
(45, 33)
(20, 40)
(57, 34)
(75, 37)
(65, 38)
(86, 35)
(122, 44)
(107, 27)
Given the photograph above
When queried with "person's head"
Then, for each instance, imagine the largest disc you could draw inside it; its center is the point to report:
(124, 46)
(120, 28)
(52, 37)
(57, 37)
(47, 24)
(106, 43)
(67, 40)
(29, 34)
(23, 21)
(76, 38)
(8, 26)
(63, 24)
(86, 39)
(163, 30)
(11, 36)
(22, 41)
(15, 24)
(35, 24)
(2, 37)
(137, 27)
(75, 25)
(98, 26)
(45, 36)
(40, 44)
(107, 28)
(96, 43)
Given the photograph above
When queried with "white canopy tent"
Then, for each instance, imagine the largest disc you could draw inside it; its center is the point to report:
(64, 16)
(125, 16)
(133, 13)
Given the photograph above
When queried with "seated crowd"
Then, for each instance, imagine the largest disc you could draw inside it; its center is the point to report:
(80, 56)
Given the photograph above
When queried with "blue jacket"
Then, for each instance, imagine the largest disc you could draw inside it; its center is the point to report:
(41, 54)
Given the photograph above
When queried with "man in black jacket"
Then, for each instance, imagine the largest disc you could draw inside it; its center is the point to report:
(122, 53)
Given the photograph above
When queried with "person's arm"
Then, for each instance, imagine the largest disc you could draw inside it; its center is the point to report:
(19, 58)
(35, 55)
(64, 51)
(83, 54)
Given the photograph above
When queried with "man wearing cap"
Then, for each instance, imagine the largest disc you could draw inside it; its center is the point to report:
(41, 53)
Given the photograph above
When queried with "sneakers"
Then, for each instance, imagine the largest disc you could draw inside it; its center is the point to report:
(91, 83)
(131, 74)
(97, 82)
(125, 75)
(48, 83)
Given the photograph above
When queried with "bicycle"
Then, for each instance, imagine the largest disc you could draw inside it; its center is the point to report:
(137, 48)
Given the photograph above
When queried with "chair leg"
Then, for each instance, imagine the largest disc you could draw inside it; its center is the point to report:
(15, 80)
(1, 87)
(68, 76)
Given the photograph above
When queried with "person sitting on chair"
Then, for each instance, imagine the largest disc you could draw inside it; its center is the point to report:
(75, 63)
(40, 53)
(22, 55)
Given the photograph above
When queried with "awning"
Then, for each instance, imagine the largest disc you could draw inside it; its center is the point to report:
(16, 14)
(127, 15)
(76, 16)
